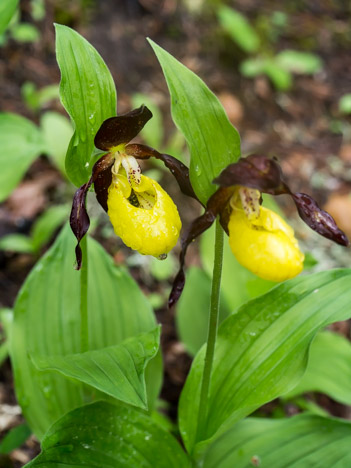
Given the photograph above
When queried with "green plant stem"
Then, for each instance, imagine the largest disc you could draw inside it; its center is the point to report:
(84, 330)
(212, 330)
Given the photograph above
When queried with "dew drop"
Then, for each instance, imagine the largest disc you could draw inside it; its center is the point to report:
(198, 170)
(47, 390)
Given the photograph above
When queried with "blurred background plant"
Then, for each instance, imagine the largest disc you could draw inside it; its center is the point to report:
(260, 43)
(22, 31)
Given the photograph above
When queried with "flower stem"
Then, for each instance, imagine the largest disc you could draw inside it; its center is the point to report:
(212, 330)
(84, 331)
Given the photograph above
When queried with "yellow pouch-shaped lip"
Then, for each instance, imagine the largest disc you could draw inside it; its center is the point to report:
(266, 246)
(151, 231)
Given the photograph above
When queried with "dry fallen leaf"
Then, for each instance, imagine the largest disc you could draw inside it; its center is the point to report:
(29, 198)
(232, 106)
(339, 206)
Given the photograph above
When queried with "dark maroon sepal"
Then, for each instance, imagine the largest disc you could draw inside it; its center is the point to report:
(121, 129)
(265, 175)
(318, 219)
(79, 219)
(177, 168)
(215, 206)
(177, 288)
(254, 171)
(197, 227)
(102, 176)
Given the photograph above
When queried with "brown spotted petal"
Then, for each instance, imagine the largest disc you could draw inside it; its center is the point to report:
(177, 168)
(318, 219)
(79, 219)
(121, 129)
(255, 171)
(215, 206)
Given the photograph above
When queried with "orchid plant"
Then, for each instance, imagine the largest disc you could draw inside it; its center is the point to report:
(85, 345)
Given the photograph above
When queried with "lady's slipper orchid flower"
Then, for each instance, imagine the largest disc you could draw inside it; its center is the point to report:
(258, 237)
(141, 212)
(261, 240)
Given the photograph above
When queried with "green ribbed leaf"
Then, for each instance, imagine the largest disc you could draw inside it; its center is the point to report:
(47, 323)
(88, 94)
(329, 368)
(213, 141)
(109, 436)
(261, 351)
(300, 442)
(117, 370)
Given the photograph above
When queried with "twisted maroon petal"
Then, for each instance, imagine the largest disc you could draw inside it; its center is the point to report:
(216, 204)
(318, 219)
(79, 218)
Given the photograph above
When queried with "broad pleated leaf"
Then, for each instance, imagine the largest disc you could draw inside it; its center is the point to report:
(193, 310)
(262, 350)
(117, 370)
(213, 141)
(300, 442)
(88, 94)
(47, 323)
(20, 143)
(109, 436)
(329, 368)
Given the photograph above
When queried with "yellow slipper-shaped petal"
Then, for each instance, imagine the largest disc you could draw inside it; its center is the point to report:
(266, 246)
(153, 227)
